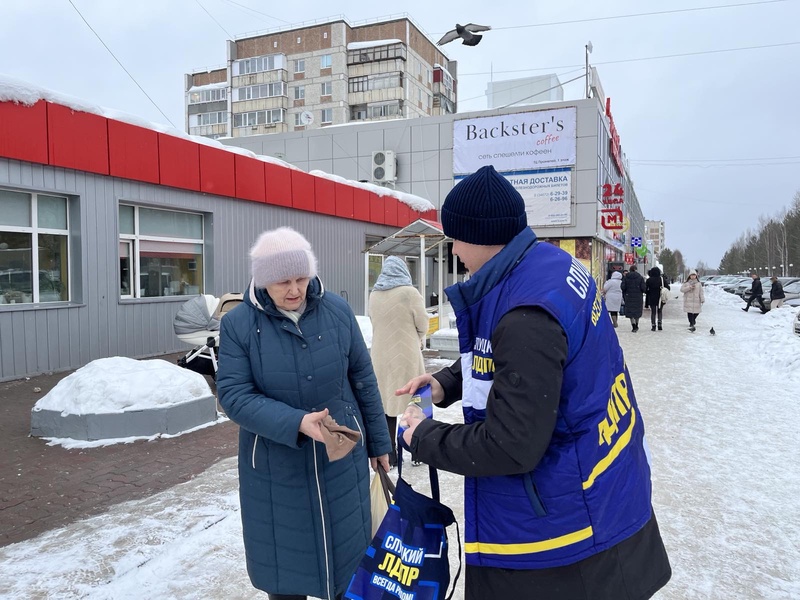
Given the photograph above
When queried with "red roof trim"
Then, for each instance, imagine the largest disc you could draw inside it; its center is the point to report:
(57, 135)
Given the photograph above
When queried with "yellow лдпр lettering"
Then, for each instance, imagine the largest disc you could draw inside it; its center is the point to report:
(395, 569)
(618, 406)
(482, 364)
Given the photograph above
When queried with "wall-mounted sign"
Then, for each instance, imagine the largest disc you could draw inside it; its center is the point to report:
(616, 149)
(547, 194)
(516, 142)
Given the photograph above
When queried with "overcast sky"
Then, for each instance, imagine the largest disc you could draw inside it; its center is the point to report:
(718, 110)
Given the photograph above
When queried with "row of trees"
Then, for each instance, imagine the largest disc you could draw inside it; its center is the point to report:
(772, 248)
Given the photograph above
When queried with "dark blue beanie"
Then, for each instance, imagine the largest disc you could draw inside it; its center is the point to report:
(484, 209)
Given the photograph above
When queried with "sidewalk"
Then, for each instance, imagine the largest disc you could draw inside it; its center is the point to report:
(44, 487)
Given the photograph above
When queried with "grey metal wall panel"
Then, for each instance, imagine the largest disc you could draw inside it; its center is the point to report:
(320, 148)
(36, 339)
(345, 145)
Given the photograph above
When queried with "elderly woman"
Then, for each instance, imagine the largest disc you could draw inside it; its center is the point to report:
(290, 356)
(399, 324)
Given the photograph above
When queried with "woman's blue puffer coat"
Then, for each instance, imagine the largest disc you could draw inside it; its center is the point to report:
(305, 520)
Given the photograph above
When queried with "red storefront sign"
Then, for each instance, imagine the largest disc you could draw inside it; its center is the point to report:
(629, 258)
(616, 150)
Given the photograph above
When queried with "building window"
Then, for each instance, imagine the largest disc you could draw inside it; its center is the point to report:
(258, 64)
(327, 115)
(376, 82)
(325, 61)
(326, 88)
(300, 92)
(383, 110)
(258, 117)
(275, 44)
(212, 95)
(266, 90)
(212, 118)
(160, 252)
(363, 55)
(324, 35)
(28, 222)
(297, 121)
(298, 39)
(300, 65)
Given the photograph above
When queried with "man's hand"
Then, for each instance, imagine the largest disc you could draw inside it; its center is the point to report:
(312, 423)
(412, 420)
(437, 391)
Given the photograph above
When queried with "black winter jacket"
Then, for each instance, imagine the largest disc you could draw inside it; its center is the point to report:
(755, 288)
(653, 289)
(632, 289)
(776, 291)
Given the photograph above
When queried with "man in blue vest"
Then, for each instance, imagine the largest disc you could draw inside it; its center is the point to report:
(557, 480)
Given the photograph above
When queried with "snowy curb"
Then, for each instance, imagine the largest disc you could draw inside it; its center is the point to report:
(170, 419)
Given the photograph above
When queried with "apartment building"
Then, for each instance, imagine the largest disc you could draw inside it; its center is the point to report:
(325, 73)
(654, 230)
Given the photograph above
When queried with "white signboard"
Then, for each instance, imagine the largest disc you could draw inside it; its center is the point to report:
(547, 194)
(517, 142)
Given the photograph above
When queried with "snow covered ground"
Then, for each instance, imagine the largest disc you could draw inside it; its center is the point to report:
(721, 414)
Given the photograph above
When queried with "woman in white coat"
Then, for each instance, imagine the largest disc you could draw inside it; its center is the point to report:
(399, 325)
(693, 298)
(612, 292)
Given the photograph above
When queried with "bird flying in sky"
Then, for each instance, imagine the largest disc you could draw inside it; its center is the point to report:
(466, 32)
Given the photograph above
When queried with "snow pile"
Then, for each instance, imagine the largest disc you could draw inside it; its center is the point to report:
(415, 202)
(118, 384)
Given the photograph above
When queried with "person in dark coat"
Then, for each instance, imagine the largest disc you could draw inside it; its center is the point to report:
(776, 293)
(756, 294)
(290, 356)
(653, 285)
(557, 489)
(633, 287)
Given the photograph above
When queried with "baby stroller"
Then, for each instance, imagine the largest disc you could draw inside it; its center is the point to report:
(197, 324)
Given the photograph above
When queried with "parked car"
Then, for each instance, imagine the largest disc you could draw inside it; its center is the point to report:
(720, 280)
(797, 323)
(732, 286)
(792, 291)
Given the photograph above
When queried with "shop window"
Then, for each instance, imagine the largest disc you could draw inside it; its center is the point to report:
(160, 252)
(31, 221)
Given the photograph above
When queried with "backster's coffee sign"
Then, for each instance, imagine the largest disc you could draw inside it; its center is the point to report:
(516, 142)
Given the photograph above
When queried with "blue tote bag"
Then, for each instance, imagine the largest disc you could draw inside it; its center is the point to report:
(407, 558)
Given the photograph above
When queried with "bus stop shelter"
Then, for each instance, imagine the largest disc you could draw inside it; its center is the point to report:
(423, 238)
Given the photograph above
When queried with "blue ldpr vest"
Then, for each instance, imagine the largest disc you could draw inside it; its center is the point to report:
(592, 487)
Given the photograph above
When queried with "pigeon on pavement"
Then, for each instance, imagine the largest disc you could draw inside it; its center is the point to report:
(466, 33)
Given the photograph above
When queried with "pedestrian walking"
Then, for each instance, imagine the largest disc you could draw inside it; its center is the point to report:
(550, 512)
(756, 294)
(294, 372)
(693, 299)
(633, 287)
(653, 286)
(612, 292)
(776, 293)
(399, 326)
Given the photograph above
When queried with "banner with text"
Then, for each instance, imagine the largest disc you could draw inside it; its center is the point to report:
(547, 194)
(516, 142)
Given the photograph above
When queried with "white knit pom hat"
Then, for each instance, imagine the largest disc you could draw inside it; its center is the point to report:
(279, 255)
